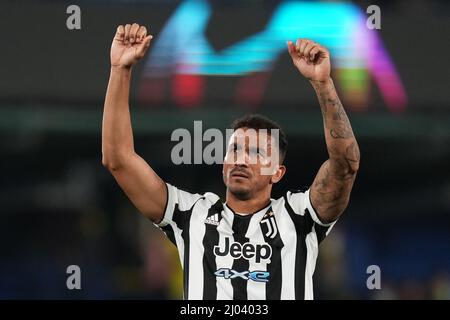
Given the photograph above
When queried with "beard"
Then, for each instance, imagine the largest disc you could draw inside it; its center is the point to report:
(240, 192)
(241, 189)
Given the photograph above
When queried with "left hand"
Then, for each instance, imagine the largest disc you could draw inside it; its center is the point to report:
(311, 59)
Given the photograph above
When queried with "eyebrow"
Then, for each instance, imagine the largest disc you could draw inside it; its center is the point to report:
(260, 149)
(255, 148)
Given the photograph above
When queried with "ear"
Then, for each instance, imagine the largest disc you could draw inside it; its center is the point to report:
(279, 173)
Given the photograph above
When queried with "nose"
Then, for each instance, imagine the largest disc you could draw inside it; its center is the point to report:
(242, 158)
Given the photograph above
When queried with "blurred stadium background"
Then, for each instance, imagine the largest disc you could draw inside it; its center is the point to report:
(213, 61)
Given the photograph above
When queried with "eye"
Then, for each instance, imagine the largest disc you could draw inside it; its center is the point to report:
(254, 151)
(234, 147)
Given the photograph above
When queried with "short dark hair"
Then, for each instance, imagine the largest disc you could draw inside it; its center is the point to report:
(257, 121)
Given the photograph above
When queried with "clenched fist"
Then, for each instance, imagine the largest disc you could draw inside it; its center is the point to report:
(129, 45)
(311, 59)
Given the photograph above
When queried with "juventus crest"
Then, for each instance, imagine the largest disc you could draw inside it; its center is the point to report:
(269, 225)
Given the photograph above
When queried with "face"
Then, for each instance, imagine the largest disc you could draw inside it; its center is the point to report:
(251, 163)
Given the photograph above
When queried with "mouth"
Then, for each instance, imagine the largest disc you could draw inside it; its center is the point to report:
(240, 174)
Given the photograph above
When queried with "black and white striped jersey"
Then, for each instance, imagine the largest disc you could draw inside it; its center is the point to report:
(270, 254)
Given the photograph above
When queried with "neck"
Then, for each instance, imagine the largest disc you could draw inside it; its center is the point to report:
(248, 206)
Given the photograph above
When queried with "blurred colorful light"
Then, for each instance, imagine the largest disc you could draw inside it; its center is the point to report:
(182, 50)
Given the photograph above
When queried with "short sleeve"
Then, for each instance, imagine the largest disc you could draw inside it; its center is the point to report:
(178, 201)
(300, 204)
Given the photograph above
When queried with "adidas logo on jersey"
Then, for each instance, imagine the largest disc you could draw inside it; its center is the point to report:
(214, 220)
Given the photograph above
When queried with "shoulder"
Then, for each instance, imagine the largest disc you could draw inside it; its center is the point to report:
(210, 197)
(292, 196)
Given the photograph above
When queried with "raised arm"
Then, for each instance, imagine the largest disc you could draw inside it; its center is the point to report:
(330, 191)
(139, 182)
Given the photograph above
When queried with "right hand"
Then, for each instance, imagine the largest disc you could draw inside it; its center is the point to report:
(129, 45)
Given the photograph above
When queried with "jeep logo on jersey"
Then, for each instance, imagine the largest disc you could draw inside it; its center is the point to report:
(247, 251)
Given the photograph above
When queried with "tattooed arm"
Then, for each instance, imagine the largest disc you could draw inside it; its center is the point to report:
(331, 188)
(330, 191)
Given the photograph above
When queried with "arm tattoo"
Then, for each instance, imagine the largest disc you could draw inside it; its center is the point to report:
(338, 124)
(352, 156)
(334, 116)
(331, 189)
